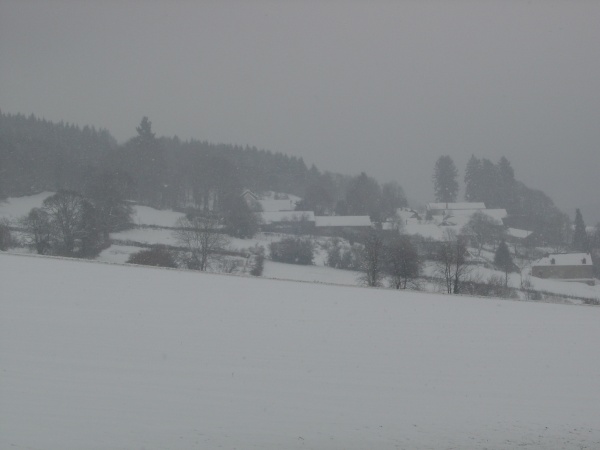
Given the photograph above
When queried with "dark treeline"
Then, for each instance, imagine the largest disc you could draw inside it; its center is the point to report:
(495, 185)
(530, 209)
(38, 155)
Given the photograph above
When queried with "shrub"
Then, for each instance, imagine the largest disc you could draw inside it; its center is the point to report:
(258, 266)
(292, 251)
(342, 256)
(156, 256)
(5, 238)
(334, 254)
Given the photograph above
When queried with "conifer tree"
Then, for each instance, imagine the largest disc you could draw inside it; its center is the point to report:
(489, 186)
(580, 241)
(503, 260)
(506, 185)
(444, 180)
(473, 180)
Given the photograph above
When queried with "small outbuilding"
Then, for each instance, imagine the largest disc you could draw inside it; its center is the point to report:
(577, 267)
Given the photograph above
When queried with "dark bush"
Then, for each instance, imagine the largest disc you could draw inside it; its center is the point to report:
(342, 256)
(5, 238)
(292, 251)
(258, 265)
(156, 256)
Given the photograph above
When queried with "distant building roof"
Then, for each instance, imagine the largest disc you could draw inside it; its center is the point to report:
(249, 194)
(269, 217)
(455, 206)
(342, 221)
(519, 234)
(277, 205)
(565, 259)
(462, 216)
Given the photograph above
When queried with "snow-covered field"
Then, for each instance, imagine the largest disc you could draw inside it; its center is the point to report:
(96, 356)
(146, 217)
(16, 207)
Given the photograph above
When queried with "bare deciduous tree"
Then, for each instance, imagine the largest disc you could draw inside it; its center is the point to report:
(202, 238)
(503, 261)
(65, 212)
(372, 258)
(36, 226)
(107, 192)
(452, 262)
(402, 262)
(483, 229)
(5, 237)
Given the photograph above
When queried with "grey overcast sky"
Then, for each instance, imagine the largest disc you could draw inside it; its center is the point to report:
(384, 87)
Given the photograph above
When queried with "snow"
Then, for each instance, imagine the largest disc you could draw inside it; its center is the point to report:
(287, 216)
(165, 236)
(120, 252)
(271, 205)
(426, 229)
(565, 259)
(151, 236)
(97, 356)
(314, 274)
(517, 233)
(342, 221)
(496, 214)
(145, 215)
(16, 207)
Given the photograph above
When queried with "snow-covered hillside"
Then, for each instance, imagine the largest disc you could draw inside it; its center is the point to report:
(154, 227)
(96, 356)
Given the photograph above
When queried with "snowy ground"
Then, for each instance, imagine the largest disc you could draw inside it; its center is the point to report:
(16, 207)
(97, 356)
(145, 216)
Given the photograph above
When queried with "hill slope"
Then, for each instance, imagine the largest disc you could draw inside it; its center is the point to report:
(114, 357)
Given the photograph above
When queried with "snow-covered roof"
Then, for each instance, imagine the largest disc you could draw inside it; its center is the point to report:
(287, 216)
(392, 225)
(519, 234)
(565, 259)
(342, 221)
(249, 193)
(496, 214)
(455, 206)
(277, 205)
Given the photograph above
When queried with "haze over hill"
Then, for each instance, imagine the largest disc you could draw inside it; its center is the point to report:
(381, 87)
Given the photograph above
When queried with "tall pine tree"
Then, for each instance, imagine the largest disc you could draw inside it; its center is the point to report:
(473, 180)
(506, 185)
(503, 260)
(580, 240)
(444, 180)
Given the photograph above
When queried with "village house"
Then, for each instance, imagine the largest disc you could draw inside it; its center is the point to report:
(577, 267)
(443, 209)
(295, 222)
(250, 198)
(344, 226)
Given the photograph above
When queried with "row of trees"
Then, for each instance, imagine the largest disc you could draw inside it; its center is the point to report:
(37, 155)
(495, 185)
(328, 194)
(69, 224)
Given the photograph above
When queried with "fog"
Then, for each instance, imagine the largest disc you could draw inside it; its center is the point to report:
(381, 87)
